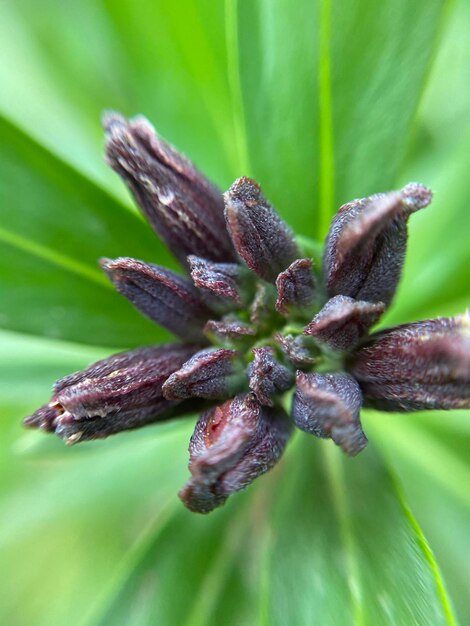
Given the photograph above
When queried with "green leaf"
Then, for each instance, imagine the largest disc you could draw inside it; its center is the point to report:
(328, 108)
(318, 103)
(163, 59)
(29, 366)
(55, 225)
(429, 452)
(344, 546)
(79, 512)
(437, 273)
(342, 526)
(205, 548)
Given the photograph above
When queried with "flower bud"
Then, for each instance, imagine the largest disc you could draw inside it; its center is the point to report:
(182, 205)
(165, 297)
(328, 405)
(231, 446)
(210, 374)
(228, 328)
(343, 321)
(262, 306)
(423, 365)
(260, 237)
(295, 286)
(296, 349)
(267, 376)
(366, 244)
(219, 279)
(115, 394)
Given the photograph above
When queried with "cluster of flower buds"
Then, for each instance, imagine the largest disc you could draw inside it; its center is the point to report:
(269, 339)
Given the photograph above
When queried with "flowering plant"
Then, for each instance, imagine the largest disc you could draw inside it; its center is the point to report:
(320, 102)
(273, 324)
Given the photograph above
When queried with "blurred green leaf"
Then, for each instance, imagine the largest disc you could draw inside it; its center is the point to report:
(79, 513)
(318, 103)
(324, 554)
(328, 102)
(153, 588)
(274, 93)
(29, 366)
(163, 59)
(341, 525)
(436, 280)
(429, 452)
(55, 225)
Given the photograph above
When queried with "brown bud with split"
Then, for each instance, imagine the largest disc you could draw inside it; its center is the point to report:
(228, 328)
(268, 377)
(343, 321)
(296, 350)
(295, 286)
(222, 280)
(231, 446)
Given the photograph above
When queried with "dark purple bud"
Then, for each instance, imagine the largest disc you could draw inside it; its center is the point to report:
(219, 279)
(45, 417)
(423, 365)
(75, 431)
(343, 321)
(118, 393)
(231, 446)
(295, 286)
(260, 237)
(296, 349)
(328, 405)
(229, 329)
(211, 374)
(184, 208)
(267, 376)
(160, 294)
(366, 245)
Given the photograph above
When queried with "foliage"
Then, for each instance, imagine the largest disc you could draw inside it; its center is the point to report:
(322, 103)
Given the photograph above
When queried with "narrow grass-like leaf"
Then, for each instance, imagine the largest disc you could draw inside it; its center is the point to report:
(340, 526)
(327, 117)
(55, 225)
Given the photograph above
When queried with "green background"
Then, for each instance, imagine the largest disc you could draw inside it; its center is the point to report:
(322, 101)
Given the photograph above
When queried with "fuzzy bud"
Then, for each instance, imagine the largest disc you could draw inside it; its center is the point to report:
(231, 446)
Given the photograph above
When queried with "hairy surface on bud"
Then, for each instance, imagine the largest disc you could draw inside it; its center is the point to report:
(162, 295)
(260, 237)
(295, 286)
(423, 365)
(211, 373)
(114, 394)
(296, 350)
(328, 405)
(231, 446)
(220, 279)
(229, 329)
(267, 376)
(182, 205)
(75, 431)
(366, 244)
(343, 321)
